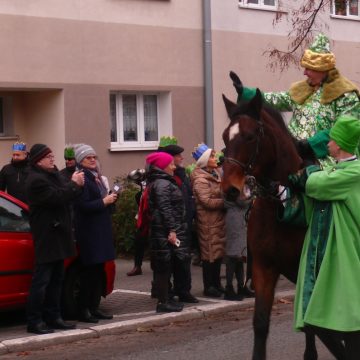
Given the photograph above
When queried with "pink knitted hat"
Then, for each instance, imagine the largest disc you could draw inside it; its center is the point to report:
(159, 159)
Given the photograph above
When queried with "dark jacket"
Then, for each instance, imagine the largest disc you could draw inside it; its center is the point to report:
(93, 227)
(49, 199)
(67, 172)
(13, 178)
(167, 213)
(189, 201)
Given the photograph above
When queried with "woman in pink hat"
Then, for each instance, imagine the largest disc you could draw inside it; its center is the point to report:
(167, 226)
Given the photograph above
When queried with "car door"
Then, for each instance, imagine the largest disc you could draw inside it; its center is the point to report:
(16, 252)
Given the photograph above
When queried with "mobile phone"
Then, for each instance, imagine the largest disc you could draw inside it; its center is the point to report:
(116, 188)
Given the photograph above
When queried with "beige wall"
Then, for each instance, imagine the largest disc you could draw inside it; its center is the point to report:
(158, 13)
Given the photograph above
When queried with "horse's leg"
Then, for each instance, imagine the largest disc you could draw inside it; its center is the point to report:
(310, 346)
(264, 280)
(331, 340)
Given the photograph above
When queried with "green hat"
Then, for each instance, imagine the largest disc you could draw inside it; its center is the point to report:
(346, 133)
(69, 152)
(167, 140)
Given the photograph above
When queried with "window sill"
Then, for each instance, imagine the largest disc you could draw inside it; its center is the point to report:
(259, 7)
(119, 148)
(345, 17)
(8, 137)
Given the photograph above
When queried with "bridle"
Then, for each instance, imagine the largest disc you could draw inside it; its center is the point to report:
(248, 167)
(256, 188)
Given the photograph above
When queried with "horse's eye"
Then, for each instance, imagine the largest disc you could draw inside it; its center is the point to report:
(249, 137)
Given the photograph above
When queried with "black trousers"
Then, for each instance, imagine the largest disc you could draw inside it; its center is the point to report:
(139, 244)
(182, 275)
(44, 298)
(91, 282)
(211, 273)
(234, 266)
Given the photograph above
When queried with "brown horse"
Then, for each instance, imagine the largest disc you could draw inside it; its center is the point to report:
(260, 152)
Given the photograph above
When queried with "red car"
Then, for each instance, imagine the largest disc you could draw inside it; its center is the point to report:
(17, 260)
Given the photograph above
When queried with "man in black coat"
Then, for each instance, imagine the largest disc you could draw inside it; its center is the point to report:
(49, 198)
(13, 175)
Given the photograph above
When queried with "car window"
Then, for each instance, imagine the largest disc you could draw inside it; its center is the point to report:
(12, 217)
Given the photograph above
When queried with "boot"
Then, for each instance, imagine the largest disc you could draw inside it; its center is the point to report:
(245, 292)
(136, 270)
(230, 293)
(168, 307)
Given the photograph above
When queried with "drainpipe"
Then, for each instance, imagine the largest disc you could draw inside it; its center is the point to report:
(209, 123)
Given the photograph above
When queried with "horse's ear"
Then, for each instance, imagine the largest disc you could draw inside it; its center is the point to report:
(256, 103)
(237, 83)
(230, 106)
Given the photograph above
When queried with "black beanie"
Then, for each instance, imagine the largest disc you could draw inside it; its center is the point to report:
(37, 152)
(171, 149)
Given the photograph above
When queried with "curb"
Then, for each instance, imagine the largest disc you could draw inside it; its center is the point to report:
(63, 337)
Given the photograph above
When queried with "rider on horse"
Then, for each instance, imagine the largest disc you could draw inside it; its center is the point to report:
(315, 102)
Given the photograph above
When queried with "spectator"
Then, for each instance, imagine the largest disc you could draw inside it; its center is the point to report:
(70, 163)
(236, 246)
(13, 176)
(327, 291)
(182, 272)
(141, 235)
(210, 217)
(93, 233)
(49, 201)
(168, 242)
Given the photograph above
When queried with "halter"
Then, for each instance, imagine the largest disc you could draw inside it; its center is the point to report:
(248, 167)
(255, 187)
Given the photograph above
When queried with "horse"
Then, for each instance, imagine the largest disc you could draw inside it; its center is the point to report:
(259, 153)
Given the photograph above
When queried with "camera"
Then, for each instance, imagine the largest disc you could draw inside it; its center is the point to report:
(137, 175)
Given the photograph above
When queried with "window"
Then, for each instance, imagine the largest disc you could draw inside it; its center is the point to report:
(12, 217)
(1, 117)
(260, 4)
(349, 8)
(138, 120)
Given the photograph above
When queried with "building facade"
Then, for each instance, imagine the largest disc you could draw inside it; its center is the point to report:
(119, 74)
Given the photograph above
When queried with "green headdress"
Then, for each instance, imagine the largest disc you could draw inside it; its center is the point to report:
(167, 140)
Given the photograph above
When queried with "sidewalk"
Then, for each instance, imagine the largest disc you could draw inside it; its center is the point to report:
(133, 309)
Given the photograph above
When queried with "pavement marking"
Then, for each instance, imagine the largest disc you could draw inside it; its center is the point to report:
(133, 314)
(130, 292)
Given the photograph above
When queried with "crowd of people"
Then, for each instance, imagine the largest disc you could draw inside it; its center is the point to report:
(179, 213)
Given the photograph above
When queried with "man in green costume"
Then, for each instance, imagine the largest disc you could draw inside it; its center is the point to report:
(327, 292)
(315, 102)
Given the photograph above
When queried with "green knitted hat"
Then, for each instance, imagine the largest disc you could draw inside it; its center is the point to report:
(167, 140)
(69, 152)
(346, 133)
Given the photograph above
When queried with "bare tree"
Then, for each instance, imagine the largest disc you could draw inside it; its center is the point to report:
(303, 22)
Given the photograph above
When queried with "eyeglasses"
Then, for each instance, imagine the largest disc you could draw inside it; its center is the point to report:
(91, 157)
(50, 157)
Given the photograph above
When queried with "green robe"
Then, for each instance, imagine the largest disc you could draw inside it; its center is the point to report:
(328, 290)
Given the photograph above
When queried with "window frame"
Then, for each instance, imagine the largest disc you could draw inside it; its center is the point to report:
(347, 9)
(260, 6)
(164, 126)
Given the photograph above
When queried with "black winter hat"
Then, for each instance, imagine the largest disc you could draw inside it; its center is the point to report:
(171, 149)
(37, 152)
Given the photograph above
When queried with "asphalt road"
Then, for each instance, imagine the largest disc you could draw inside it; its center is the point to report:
(224, 337)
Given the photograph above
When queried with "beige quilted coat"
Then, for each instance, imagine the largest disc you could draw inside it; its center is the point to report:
(210, 214)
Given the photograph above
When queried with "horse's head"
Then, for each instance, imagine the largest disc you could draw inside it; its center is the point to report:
(258, 147)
